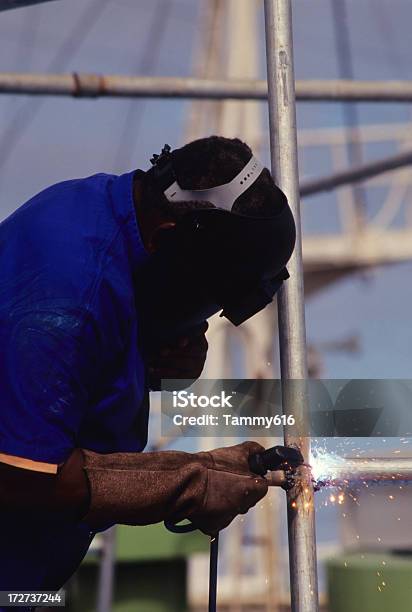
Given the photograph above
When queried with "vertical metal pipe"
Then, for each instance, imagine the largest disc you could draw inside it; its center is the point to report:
(349, 109)
(107, 569)
(292, 340)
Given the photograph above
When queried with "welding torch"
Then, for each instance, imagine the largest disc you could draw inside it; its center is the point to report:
(281, 460)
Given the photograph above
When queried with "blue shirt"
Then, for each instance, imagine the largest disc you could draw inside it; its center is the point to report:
(71, 373)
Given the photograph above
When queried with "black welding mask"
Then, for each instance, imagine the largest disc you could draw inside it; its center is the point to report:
(214, 260)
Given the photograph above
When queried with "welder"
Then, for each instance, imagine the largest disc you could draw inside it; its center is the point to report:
(106, 284)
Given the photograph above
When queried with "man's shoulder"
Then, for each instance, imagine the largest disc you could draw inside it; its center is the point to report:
(95, 184)
(55, 243)
(60, 208)
(78, 193)
(67, 210)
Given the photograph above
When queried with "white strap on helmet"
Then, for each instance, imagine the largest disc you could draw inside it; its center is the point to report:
(222, 196)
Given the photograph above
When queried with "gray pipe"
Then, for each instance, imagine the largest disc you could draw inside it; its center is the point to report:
(97, 85)
(292, 337)
(107, 570)
(354, 175)
(368, 469)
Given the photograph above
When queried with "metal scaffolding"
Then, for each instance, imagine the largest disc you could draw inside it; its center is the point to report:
(353, 175)
(280, 91)
(371, 469)
(90, 85)
(292, 335)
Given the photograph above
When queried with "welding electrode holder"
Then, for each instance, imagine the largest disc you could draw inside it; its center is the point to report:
(277, 458)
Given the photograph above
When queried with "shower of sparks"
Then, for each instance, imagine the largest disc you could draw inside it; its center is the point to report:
(331, 469)
(325, 466)
(328, 467)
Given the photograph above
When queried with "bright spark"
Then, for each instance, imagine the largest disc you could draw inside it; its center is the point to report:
(325, 466)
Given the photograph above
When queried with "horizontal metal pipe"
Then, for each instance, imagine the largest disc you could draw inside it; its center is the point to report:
(96, 85)
(6, 5)
(93, 85)
(354, 91)
(354, 175)
(370, 469)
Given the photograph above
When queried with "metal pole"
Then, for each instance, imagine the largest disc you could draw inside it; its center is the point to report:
(354, 146)
(369, 469)
(106, 574)
(99, 85)
(353, 91)
(11, 4)
(292, 340)
(354, 175)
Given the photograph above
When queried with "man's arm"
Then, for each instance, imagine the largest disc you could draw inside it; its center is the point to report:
(209, 488)
(29, 489)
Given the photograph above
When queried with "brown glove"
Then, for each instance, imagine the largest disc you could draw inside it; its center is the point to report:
(209, 488)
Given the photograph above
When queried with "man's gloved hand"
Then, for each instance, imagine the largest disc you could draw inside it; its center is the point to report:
(208, 488)
(232, 488)
(182, 360)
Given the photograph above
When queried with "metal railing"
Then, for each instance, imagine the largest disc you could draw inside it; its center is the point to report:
(89, 85)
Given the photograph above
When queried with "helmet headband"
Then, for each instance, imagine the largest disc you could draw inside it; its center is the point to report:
(222, 196)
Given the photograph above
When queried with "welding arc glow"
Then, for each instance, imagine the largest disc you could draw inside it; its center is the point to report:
(326, 467)
(330, 469)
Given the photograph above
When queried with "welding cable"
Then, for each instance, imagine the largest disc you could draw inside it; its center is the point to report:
(213, 558)
(214, 554)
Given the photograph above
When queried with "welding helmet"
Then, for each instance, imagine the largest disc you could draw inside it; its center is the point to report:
(215, 260)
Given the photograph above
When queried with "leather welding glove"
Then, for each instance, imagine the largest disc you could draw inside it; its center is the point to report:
(208, 488)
